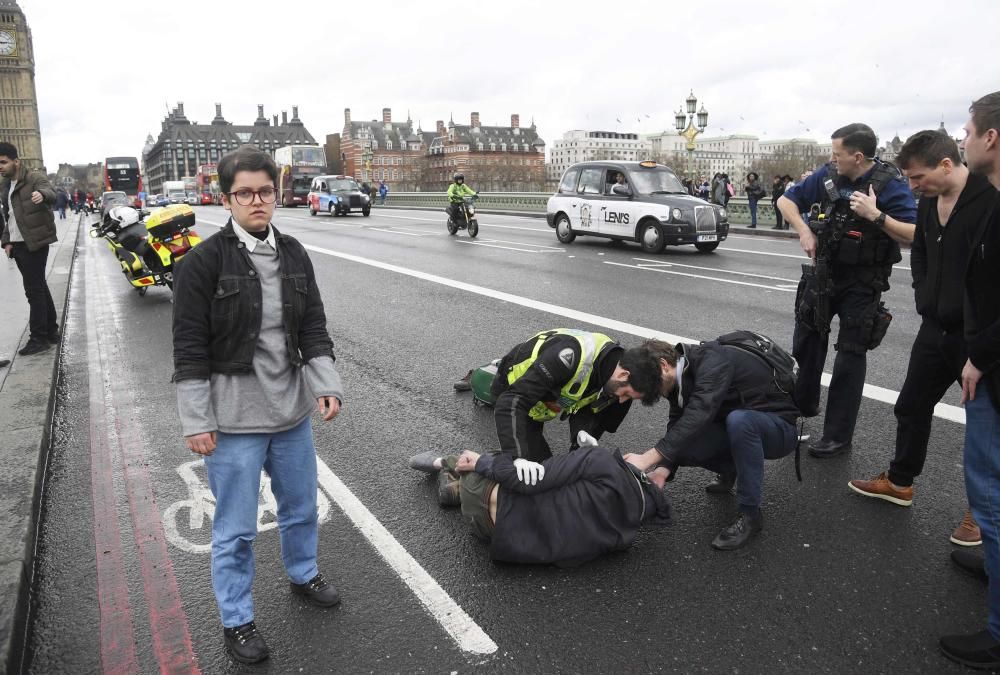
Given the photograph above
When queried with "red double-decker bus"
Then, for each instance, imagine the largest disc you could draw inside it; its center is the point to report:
(297, 166)
(121, 174)
(207, 180)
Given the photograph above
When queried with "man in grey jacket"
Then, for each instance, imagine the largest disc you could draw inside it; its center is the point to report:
(26, 199)
(252, 358)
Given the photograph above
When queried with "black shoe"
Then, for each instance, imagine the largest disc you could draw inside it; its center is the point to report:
(245, 643)
(723, 484)
(425, 461)
(978, 650)
(970, 563)
(465, 384)
(34, 346)
(448, 489)
(54, 337)
(824, 449)
(751, 227)
(739, 533)
(4, 363)
(318, 592)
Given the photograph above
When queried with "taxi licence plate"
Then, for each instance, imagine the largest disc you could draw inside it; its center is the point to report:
(708, 237)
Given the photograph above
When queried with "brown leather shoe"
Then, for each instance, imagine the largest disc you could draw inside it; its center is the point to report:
(880, 487)
(967, 533)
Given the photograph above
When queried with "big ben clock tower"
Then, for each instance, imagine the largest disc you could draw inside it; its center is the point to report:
(18, 102)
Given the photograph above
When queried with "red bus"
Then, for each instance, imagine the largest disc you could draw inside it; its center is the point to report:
(297, 166)
(121, 174)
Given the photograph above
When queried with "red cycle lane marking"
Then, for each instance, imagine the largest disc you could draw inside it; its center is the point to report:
(117, 638)
(168, 622)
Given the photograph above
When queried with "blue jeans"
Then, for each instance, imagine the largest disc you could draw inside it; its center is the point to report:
(753, 212)
(289, 458)
(740, 445)
(982, 484)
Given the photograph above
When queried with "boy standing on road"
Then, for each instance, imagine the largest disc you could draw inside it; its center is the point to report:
(251, 353)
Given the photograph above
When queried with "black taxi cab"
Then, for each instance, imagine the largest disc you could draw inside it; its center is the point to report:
(633, 201)
(337, 195)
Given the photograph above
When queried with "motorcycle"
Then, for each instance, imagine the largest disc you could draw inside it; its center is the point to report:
(148, 246)
(467, 217)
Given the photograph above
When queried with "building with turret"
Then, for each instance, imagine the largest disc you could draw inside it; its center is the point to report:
(18, 102)
(183, 145)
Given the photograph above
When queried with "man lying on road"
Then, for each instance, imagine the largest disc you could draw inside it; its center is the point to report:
(591, 502)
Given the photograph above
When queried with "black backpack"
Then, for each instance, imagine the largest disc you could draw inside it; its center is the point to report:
(783, 365)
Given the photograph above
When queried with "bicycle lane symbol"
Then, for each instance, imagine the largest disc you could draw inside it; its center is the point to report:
(187, 522)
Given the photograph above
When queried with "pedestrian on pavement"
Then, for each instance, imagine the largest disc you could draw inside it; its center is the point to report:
(590, 503)
(728, 413)
(27, 197)
(953, 203)
(863, 195)
(777, 189)
(704, 189)
(585, 376)
(981, 383)
(62, 199)
(252, 357)
(383, 191)
(730, 190)
(719, 191)
(754, 192)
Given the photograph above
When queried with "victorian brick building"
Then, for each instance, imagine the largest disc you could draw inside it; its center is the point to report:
(182, 145)
(493, 158)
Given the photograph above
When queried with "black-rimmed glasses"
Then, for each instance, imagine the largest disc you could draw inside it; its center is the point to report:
(245, 196)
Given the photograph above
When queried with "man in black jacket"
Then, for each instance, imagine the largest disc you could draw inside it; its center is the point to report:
(953, 204)
(590, 503)
(727, 414)
(981, 382)
(585, 377)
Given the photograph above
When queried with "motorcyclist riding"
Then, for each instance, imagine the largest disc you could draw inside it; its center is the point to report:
(457, 192)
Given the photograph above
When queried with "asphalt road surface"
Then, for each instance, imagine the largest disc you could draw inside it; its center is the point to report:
(835, 583)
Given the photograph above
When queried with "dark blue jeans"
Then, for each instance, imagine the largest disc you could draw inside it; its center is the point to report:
(982, 484)
(753, 212)
(740, 445)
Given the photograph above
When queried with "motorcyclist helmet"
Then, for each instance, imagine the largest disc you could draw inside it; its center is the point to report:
(123, 216)
(459, 177)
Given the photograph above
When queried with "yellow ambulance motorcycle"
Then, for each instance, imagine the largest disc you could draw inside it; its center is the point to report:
(148, 245)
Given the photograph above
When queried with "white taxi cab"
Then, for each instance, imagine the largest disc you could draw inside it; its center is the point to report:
(633, 201)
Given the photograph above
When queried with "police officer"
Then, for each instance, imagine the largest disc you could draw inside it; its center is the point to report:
(866, 210)
(585, 377)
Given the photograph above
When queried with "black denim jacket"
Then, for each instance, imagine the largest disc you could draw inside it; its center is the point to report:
(217, 307)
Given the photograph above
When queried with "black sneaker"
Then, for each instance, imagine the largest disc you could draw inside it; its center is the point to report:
(318, 592)
(825, 449)
(979, 650)
(54, 337)
(970, 563)
(723, 484)
(4, 363)
(739, 533)
(245, 643)
(34, 346)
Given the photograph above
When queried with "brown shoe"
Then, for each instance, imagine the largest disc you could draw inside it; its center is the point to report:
(880, 487)
(967, 533)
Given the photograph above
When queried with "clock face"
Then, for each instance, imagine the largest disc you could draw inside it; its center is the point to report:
(8, 42)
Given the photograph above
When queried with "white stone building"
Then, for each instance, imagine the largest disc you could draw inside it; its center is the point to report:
(581, 145)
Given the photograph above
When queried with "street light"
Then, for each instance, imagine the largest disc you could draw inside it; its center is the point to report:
(691, 124)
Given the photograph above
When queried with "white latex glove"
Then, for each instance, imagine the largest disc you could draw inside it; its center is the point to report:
(529, 472)
(585, 440)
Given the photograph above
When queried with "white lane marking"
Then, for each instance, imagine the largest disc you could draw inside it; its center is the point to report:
(647, 268)
(658, 263)
(408, 234)
(438, 220)
(459, 625)
(799, 257)
(485, 242)
(942, 410)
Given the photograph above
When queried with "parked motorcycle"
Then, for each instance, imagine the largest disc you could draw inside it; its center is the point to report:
(148, 246)
(466, 219)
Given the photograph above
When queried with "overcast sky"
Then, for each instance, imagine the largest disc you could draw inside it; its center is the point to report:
(105, 72)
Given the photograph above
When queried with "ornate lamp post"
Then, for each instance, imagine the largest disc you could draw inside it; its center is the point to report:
(366, 162)
(690, 125)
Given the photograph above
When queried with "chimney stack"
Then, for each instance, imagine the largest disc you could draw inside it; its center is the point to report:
(515, 121)
(387, 116)
(260, 110)
(295, 112)
(218, 110)
(475, 120)
(347, 115)
(284, 117)
(440, 128)
(275, 117)
(180, 109)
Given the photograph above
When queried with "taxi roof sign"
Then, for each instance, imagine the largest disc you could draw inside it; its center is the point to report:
(647, 164)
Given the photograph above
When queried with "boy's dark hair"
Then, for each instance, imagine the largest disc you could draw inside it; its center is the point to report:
(245, 158)
(8, 150)
(643, 366)
(857, 137)
(986, 113)
(927, 148)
